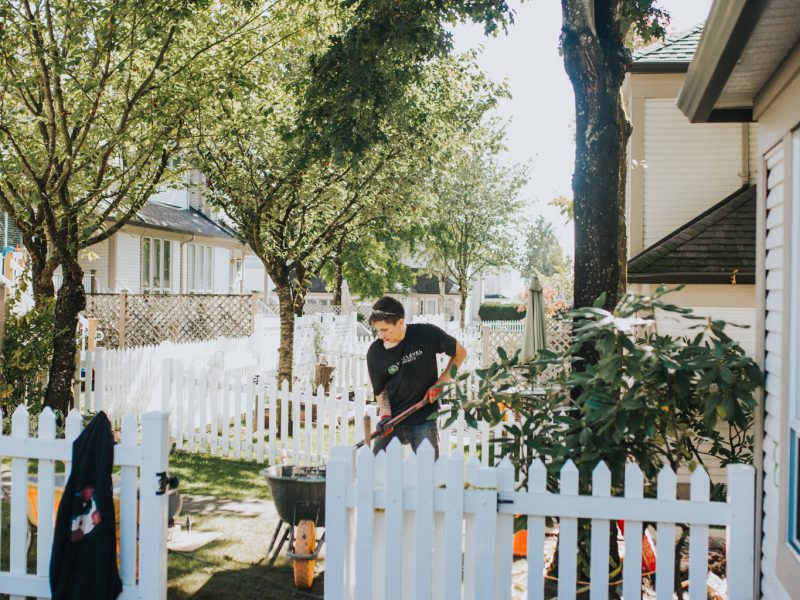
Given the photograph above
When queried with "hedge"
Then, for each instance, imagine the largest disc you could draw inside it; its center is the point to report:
(494, 311)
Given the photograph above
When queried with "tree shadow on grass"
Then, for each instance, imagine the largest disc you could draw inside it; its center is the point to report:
(255, 582)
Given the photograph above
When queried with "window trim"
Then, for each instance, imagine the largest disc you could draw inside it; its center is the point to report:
(204, 272)
(163, 265)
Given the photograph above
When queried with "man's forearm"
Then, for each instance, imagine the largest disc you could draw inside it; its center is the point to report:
(457, 360)
(384, 408)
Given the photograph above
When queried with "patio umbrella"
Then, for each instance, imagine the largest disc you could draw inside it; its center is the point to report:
(347, 300)
(533, 335)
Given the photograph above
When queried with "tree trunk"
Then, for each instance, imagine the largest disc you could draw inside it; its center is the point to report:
(71, 300)
(338, 265)
(595, 60)
(42, 268)
(463, 287)
(286, 313)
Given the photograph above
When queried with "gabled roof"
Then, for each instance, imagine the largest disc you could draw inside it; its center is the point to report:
(427, 284)
(671, 55)
(710, 248)
(182, 220)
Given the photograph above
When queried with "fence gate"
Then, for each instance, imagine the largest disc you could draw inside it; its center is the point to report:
(32, 494)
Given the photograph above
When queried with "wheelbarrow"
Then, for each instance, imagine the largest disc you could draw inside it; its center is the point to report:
(299, 497)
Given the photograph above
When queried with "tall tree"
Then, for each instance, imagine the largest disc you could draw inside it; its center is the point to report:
(596, 58)
(91, 98)
(478, 208)
(292, 203)
(543, 255)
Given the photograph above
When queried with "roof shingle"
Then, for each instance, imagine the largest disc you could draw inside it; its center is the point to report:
(673, 53)
(183, 220)
(711, 248)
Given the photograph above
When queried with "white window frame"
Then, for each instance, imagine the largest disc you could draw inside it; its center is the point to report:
(156, 280)
(793, 408)
(200, 269)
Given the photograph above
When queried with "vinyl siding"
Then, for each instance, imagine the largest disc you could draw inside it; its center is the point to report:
(96, 258)
(129, 259)
(775, 322)
(689, 167)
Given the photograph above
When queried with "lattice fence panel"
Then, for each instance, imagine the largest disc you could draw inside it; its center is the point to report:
(559, 336)
(152, 319)
(105, 308)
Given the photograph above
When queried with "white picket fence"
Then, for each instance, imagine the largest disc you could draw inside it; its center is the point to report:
(138, 464)
(230, 414)
(414, 529)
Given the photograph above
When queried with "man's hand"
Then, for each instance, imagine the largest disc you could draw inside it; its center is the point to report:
(384, 428)
(433, 393)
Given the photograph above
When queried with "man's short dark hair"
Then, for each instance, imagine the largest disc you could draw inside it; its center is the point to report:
(387, 309)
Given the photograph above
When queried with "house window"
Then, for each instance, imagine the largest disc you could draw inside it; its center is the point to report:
(201, 268)
(156, 256)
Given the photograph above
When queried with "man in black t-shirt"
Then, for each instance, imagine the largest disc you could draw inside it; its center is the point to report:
(403, 370)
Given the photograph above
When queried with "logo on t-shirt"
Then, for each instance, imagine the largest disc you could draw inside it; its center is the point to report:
(412, 356)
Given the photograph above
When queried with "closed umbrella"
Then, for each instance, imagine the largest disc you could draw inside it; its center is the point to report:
(533, 335)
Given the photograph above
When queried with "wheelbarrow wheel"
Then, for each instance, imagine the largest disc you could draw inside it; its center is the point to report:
(305, 542)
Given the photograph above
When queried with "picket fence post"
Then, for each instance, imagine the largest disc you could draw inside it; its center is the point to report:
(740, 539)
(338, 477)
(153, 539)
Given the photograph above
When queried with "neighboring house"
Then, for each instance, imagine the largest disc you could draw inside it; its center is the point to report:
(423, 298)
(495, 284)
(691, 196)
(747, 69)
(172, 246)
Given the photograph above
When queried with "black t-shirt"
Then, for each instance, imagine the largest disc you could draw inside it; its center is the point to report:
(409, 369)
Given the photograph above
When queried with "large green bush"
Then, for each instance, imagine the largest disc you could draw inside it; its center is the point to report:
(27, 352)
(494, 311)
(648, 398)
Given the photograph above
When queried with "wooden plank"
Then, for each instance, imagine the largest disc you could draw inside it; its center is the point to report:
(394, 520)
(601, 488)
(486, 532)
(238, 389)
(153, 515)
(423, 523)
(178, 411)
(537, 486)
(213, 394)
(296, 432)
(261, 414)
(19, 497)
(73, 427)
(321, 420)
(128, 509)
(308, 426)
(504, 547)
(568, 537)
(364, 523)
(632, 565)
(407, 540)
(285, 407)
(46, 495)
(250, 407)
(665, 537)
(379, 530)
(453, 523)
(698, 537)
(338, 477)
(272, 394)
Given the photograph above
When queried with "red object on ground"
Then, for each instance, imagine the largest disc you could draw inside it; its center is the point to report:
(648, 549)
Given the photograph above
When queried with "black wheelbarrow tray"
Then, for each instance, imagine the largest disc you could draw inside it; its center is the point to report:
(299, 497)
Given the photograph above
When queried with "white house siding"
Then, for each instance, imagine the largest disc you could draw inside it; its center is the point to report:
(689, 167)
(754, 158)
(129, 263)
(222, 270)
(95, 258)
(775, 323)
(677, 326)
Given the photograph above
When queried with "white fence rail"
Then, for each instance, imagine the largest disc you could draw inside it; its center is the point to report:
(396, 529)
(142, 514)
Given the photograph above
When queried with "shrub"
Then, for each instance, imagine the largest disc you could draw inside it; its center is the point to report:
(494, 311)
(27, 352)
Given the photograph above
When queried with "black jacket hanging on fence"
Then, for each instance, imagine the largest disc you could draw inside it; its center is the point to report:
(83, 565)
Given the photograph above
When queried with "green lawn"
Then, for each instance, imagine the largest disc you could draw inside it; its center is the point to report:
(205, 475)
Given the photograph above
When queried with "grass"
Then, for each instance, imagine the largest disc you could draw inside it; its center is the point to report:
(205, 475)
(234, 567)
